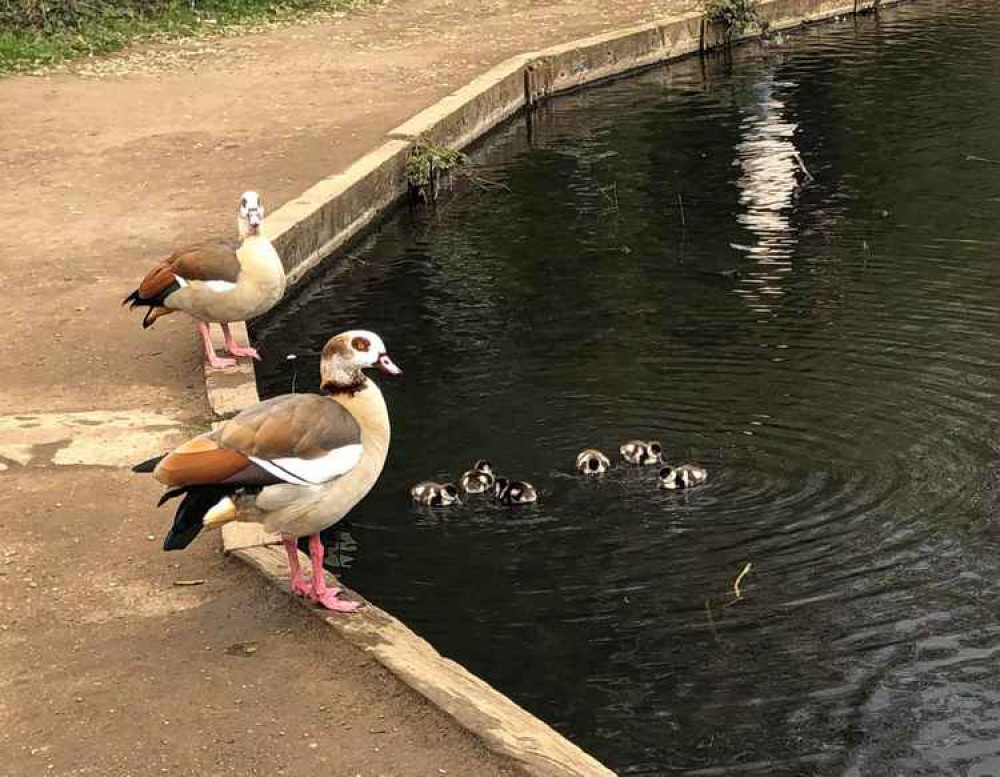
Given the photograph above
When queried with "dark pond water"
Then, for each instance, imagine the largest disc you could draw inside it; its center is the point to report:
(827, 347)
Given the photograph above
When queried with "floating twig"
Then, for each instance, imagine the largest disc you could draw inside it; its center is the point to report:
(974, 158)
(739, 579)
(680, 201)
(802, 165)
(199, 581)
(612, 198)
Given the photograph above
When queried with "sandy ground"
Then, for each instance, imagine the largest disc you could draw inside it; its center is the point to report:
(106, 666)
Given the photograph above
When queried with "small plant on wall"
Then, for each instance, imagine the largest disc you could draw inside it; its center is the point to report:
(426, 165)
(738, 16)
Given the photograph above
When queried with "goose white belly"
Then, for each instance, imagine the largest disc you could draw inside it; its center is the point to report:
(310, 513)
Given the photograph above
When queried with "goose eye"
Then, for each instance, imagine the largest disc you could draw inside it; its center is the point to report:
(360, 344)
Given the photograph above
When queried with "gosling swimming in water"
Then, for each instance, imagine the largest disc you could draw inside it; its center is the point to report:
(514, 492)
(641, 452)
(479, 479)
(592, 462)
(684, 476)
(431, 494)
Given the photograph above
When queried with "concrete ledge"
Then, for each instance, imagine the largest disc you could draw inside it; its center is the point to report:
(333, 211)
(504, 726)
(787, 14)
(238, 536)
(235, 388)
(560, 68)
(473, 110)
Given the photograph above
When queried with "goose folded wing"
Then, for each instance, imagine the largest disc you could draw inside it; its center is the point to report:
(299, 439)
(213, 262)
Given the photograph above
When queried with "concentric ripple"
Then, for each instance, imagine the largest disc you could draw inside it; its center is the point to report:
(785, 268)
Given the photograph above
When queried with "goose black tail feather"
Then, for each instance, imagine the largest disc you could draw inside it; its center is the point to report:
(190, 514)
(168, 495)
(135, 300)
(149, 465)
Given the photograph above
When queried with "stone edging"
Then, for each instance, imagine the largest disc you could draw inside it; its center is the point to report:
(333, 211)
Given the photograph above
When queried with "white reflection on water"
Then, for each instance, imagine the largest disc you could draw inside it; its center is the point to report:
(770, 165)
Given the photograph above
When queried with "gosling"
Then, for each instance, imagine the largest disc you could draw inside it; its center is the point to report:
(592, 462)
(642, 453)
(431, 494)
(479, 479)
(514, 492)
(684, 476)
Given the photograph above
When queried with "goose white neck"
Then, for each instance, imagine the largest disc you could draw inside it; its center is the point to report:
(367, 405)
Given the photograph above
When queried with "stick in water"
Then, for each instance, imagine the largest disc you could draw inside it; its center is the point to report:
(680, 201)
(739, 578)
(802, 165)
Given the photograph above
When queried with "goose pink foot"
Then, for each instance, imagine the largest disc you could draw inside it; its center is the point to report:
(214, 359)
(296, 582)
(235, 349)
(328, 597)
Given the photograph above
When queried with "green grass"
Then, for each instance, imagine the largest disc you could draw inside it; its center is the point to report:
(27, 42)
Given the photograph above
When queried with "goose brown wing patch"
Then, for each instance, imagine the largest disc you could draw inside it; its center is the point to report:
(157, 281)
(304, 426)
(212, 260)
(200, 461)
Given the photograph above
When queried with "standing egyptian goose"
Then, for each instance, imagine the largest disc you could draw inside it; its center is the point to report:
(217, 280)
(296, 463)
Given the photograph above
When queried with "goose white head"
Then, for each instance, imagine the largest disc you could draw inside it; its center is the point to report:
(347, 354)
(251, 214)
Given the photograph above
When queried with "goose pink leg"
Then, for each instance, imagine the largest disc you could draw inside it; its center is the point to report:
(297, 582)
(213, 358)
(235, 349)
(328, 597)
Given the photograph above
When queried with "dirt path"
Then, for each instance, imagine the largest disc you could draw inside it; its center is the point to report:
(107, 667)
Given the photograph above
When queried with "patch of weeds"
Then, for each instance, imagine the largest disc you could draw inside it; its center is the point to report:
(426, 165)
(738, 16)
(426, 161)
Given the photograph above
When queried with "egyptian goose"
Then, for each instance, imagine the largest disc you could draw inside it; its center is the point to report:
(592, 462)
(217, 280)
(514, 492)
(642, 453)
(431, 494)
(296, 463)
(479, 479)
(684, 476)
